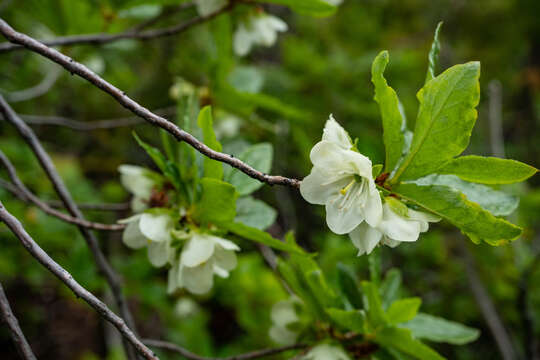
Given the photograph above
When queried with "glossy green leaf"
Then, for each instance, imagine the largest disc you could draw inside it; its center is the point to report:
(349, 286)
(433, 58)
(258, 156)
(354, 320)
(402, 340)
(433, 328)
(392, 119)
(159, 159)
(212, 168)
(403, 310)
(488, 170)
(496, 202)
(372, 305)
(217, 203)
(307, 7)
(260, 236)
(445, 120)
(390, 287)
(468, 216)
(254, 213)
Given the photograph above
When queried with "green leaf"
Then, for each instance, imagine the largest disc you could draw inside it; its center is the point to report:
(433, 328)
(496, 202)
(292, 278)
(453, 206)
(258, 156)
(212, 168)
(159, 159)
(261, 237)
(403, 310)
(354, 320)
(217, 203)
(307, 7)
(376, 170)
(374, 265)
(488, 170)
(390, 287)
(433, 58)
(349, 286)
(372, 305)
(254, 213)
(402, 340)
(392, 119)
(445, 120)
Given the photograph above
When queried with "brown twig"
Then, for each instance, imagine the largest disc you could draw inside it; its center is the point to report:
(247, 356)
(23, 347)
(77, 68)
(104, 38)
(28, 196)
(48, 166)
(40, 255)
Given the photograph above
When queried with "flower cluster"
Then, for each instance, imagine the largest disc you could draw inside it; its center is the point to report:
(342, 181)
(171, 239)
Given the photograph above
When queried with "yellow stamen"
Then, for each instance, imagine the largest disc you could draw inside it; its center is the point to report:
(346, 188)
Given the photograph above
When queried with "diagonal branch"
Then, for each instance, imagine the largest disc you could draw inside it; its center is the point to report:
(135, 33)
(28, 196)
(23, 347)
(247, 356)
(77, 68)
(48, 166)
(40, 255)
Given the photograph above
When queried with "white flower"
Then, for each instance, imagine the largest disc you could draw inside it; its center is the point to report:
(326, 352)
(207, 7)
(203, 256)
(257, 30)
(399, 223)
(138, 182)
(152, 230)
(341, 179)
(284, 314)
(334, 2)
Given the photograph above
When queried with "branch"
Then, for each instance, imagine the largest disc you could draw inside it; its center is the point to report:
(48, 166)
(40, 255)
(24, 349)
(28, 196)
(104, 38)
(94, 125)
(191, 356)
(35, 91)
(77, 68)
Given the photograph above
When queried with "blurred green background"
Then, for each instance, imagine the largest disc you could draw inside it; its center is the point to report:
(320, 66)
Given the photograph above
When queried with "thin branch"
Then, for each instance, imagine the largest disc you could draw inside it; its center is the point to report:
(35, 91)
(32, 198)
(48, 166)
(121, 97)
(23, 347)
(93, 125)
(247, 356)
(104, 38)
(40, 255)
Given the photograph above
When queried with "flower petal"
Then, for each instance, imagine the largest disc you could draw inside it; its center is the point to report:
(225, 259)
(156, 227)
(373, 208)
(132, 236)
(242, 40)
(343, 219)
(283, 313)
(199, 279)
(397, 227)
(174, 279)
(225, 244)
(319, 186)
(365, 238)
(158, 253)
(282, 336)
(197, 250)
(336, 134)
(134, 179)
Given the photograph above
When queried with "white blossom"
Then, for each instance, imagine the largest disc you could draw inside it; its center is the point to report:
(399, 223)
(284, 314)
(207, 7)
(260, 29)
(334, 2)
(151, 229)
(341, 179)
(326, 352)
(138, 182)
(202, 256)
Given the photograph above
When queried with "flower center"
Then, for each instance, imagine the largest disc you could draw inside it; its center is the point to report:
(355, 179)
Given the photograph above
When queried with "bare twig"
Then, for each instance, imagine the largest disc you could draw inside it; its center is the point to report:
(23, 347)
(28, 196)
(40, 255)
(247, 356)
(48, 166)
(93, 125)
(104, 38)
(120, 96)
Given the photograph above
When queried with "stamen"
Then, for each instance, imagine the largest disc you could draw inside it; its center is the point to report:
(346, 188)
